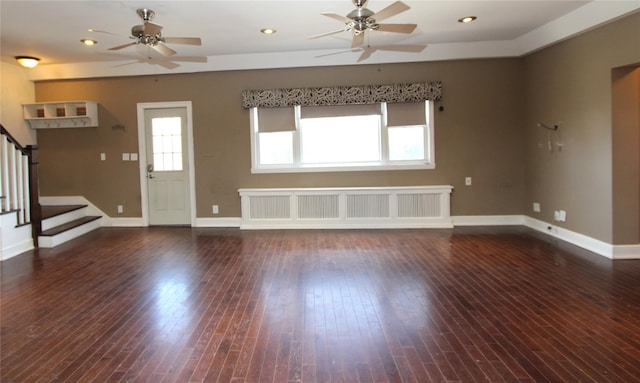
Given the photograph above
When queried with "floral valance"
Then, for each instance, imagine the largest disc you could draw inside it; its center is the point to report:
(342, 95)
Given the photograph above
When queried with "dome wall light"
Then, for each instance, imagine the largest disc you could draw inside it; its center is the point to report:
(88, 42)
(27, 61)
(467, 19)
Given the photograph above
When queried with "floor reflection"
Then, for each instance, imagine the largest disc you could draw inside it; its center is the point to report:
(172, 315)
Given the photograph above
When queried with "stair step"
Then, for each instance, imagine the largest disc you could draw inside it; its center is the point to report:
(49, 211)
(69, 225)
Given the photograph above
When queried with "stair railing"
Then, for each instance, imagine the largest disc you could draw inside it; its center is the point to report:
(19, 182)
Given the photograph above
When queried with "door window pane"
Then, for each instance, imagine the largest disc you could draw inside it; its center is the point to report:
(167, 143)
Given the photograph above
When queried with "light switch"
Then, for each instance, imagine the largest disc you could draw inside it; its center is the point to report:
(103, 156)
(134, 156)
(125, 156)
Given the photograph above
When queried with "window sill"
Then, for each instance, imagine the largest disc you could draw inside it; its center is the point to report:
(331, 169)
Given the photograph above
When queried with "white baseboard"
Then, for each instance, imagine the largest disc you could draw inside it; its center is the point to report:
(14, 239)
(218, 222)
(487, 220)
(16, 249)
(626, 251)
(594, 245)
(127, 222)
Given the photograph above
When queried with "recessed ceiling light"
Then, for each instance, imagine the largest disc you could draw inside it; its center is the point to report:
(89, 42)
(467, 19)
(268, 31)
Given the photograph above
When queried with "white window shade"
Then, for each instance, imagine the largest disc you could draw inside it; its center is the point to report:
(339, 110)
(276, 120)
(406, 113)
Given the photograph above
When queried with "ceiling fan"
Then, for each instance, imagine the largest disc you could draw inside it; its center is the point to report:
(149, 35)
(362, 19)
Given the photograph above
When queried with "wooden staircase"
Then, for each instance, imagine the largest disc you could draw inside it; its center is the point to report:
(24, 223)
(61, 223)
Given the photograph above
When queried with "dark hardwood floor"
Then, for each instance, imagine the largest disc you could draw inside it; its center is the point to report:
(222, 305)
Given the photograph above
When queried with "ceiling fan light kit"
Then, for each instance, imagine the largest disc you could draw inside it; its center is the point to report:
(363, 19)
(149, 34)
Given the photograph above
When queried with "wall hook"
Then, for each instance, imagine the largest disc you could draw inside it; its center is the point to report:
(542, 125)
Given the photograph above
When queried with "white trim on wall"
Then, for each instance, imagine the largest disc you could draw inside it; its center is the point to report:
(614, 252)
(230, 222)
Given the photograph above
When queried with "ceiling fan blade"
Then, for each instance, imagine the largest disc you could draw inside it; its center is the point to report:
(121, 46)
(391, 10)
(152, 29)
(358, 39)
(165, 64)
(163, 49)
(335, 16)
(108, 33)
(397, 28)
(326, 34)
(183, 40)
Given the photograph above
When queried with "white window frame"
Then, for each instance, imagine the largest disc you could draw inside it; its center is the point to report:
(385, 164)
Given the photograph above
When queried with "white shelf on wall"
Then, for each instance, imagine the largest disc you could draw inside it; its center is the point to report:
(63, 114)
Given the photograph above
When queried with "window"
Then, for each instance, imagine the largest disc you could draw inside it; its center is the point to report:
(167, 143)
(342, 138)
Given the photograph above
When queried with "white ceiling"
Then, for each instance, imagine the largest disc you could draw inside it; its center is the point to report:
(231, 38)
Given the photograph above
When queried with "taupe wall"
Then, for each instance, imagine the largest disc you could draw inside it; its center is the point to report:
(479, 134)
(16, 89)
(570, 84)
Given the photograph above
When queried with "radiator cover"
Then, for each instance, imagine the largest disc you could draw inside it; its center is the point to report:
(346, 208)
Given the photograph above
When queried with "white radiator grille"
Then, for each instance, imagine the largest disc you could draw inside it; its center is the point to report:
(367, 206)
(418, 205)
(319, 206)
(270, 207)
(322, 208)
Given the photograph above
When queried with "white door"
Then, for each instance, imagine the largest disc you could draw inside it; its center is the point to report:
(167, 166)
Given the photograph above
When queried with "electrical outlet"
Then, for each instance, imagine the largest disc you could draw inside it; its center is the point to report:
(120, 209)
(215, 209)
(536, 207)
(468, 181)
(563, 216)
(560, 215)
